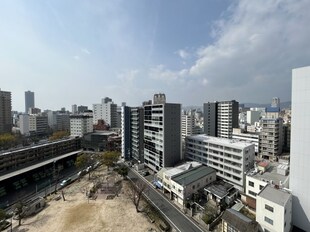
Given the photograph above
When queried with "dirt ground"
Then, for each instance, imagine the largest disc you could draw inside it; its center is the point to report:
(78, 214)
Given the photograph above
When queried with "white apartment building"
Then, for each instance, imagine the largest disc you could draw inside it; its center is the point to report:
(228, 112)
(300, 137)
(107, 111)
(274, 209)
(246, 137)
(265, 173)
(162, 135)
(80, 125)
(230, 158)
(188, 125)
(24, 124)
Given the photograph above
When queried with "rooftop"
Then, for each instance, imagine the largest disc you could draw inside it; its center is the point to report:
(269, 174)
(219, 188)
(191, 175)
(181, 168)
(235, 143)
(277, 196)
(239, 221)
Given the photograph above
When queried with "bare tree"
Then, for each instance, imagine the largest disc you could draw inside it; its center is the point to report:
(136, 191)
(19, 211)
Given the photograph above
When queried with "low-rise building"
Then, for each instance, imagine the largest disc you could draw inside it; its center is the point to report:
(230, 158)
(235, 221)
(183, 181)
(274, 209)
(263, 174)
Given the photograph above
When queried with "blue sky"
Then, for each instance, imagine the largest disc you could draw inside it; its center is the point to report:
(77, 52)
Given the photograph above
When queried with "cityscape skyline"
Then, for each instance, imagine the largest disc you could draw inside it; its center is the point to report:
(193, 53)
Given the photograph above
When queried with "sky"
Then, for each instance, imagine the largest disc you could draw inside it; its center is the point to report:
(78, 52)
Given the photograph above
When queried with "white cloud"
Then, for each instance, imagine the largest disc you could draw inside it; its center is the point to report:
(261, 40)
(76, 57)
(86, 51)
(183, 54)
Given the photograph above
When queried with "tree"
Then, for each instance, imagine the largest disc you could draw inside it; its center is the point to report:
(7, 141)
(58, 135)
(123, 171)
(3, 215)
(83, 160)
(19, 211)
(109, 158)
(136, 191)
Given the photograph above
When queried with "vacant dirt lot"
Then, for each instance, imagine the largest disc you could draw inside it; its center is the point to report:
(79, 214)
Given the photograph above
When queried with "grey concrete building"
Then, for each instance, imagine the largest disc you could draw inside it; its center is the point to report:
(162, 135)
(29, 101)
(210, 118)
(5, 112)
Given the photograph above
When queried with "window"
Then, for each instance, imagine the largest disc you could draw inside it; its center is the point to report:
(261, 187)
(269, 208)
(267, 219)
(251, 183)
(252, 193)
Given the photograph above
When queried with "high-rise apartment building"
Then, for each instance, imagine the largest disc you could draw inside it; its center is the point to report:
(132, 120)
(271, 138)
(299, 158)
(210, 118)
(220, 118)
(107, 111)
(29, 101)
(137, 132)
(5, 112)
(162, 135)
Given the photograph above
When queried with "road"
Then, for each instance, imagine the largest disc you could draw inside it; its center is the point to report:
(176, 218)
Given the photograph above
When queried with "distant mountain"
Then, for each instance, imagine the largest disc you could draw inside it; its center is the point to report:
(282, 105)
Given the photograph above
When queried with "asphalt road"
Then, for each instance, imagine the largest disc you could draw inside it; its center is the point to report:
(176, 218)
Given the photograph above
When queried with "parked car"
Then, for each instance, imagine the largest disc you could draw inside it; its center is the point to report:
(65, 182)
(145, 173)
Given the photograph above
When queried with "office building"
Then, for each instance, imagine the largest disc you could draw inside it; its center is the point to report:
(29, 101)
(220, 118)
(274, 209)
(24, 124)
(81, 124)
(107, 111)
(299, 158)
(82, 109)
(271, 138)
(5, 112)
(62, 122)
(231, 159)
(162, 135)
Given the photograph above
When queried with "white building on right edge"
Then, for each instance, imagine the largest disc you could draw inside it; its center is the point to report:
(300, 139)
(230, 158)
(274, 209)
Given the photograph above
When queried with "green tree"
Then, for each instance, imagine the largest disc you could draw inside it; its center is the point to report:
(58, 135)
(109, 158)
(84, 160)
(7, 141)
(19, 211)
(3, 215)
(123, 171)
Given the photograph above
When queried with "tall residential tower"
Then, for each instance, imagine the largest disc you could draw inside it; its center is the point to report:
(29, 101)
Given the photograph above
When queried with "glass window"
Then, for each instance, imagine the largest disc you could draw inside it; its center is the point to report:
(270, 221)
(269, 208)
(251, 183)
